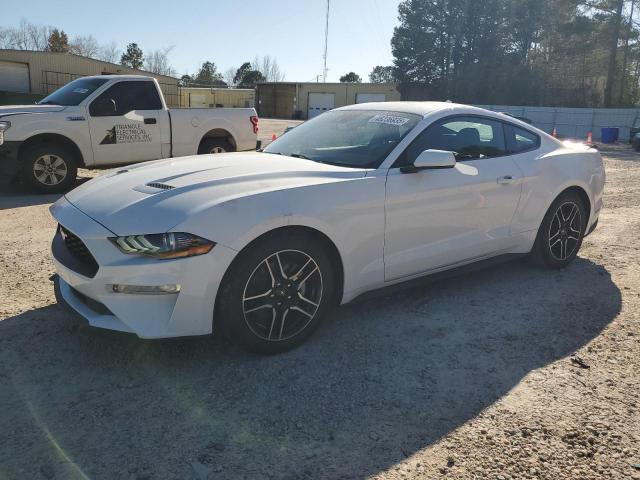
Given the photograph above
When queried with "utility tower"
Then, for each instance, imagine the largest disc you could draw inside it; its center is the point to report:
(326, 45)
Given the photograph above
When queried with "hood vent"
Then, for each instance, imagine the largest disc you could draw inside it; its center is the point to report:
(153, 188)
(160, 186)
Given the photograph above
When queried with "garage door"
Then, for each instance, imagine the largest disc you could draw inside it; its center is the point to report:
(370, 97)
(320, 103)
(14, 77)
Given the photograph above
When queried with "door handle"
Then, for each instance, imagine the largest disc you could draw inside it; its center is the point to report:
(150, 121)
(506, 180)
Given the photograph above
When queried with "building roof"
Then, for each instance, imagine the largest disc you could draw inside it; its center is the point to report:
(83, 58)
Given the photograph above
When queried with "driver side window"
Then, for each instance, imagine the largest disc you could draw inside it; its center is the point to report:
(470, 138)
(128, 96)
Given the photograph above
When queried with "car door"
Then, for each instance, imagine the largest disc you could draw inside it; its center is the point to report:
(125, 121)
(443, 217)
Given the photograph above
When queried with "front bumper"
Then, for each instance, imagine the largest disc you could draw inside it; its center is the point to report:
(187, 313)
(9, 162)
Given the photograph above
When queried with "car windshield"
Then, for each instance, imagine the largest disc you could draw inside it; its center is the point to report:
(74, 92)
(349, 138)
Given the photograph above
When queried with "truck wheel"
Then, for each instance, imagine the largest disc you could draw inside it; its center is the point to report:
(48, 168)
(214, 145)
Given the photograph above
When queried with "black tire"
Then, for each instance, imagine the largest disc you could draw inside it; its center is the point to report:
(214, 145)
(560, 235)
(61, 162)
(275, 328)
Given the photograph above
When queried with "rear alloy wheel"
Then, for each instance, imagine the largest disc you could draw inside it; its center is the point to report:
(48, 168)
(277, 294)
(561, 233)
(214, 145)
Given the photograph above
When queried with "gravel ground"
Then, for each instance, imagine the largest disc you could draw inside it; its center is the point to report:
(470, 377)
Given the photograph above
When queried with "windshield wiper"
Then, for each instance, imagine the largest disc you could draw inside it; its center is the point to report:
(299, 155)
(48, 102)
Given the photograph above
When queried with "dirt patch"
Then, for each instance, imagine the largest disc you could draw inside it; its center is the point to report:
(471, 377)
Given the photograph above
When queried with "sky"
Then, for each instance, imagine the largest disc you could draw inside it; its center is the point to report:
(229, 33)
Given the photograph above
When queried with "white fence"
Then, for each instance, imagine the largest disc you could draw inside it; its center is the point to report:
(574, 122)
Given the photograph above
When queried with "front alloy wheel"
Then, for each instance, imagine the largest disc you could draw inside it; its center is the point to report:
(50, 170)
(276, 292)
(282, 295)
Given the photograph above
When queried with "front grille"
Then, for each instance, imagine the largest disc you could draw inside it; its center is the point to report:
(73, 253)
(75, 245)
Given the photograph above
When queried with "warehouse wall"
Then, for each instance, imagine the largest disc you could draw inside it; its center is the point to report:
(290, 100)
(197, 97)
(276, 100)
(49, 71)
(345, 93)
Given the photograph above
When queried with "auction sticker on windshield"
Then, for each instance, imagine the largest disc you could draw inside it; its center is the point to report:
(389, 119)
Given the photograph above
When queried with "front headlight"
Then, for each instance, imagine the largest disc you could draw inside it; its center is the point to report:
(164, 246)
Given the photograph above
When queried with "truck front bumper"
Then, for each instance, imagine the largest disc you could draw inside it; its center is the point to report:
(9, 163)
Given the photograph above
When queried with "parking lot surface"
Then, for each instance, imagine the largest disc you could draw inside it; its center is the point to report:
(470, 377)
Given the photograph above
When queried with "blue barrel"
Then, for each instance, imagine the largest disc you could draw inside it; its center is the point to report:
(609, 134)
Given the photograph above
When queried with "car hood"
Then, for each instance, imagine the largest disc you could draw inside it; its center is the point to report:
(156, 196)
(22, 109)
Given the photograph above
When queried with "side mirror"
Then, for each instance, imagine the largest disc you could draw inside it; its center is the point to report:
(103, 107)
(431, 160)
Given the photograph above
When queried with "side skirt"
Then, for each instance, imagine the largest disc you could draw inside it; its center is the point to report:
(438, 276)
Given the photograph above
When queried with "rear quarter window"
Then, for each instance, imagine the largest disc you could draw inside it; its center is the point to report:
(520, 140)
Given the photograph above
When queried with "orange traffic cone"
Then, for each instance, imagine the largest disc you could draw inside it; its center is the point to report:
(554, 133)
(589, 138)
(273, 137)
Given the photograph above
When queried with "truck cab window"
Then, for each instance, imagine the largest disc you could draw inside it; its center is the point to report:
(128, 96)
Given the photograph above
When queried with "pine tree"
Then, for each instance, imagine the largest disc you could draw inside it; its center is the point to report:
(58, 41)
(133, 57)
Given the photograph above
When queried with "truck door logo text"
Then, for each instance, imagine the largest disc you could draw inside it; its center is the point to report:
(126, 133)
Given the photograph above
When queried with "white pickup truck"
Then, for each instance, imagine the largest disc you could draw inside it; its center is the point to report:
(109, 120)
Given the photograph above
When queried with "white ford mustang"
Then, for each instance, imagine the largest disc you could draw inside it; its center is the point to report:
(260, 245)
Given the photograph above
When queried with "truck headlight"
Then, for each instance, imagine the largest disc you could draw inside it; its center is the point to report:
(164, 246)
(4, 126)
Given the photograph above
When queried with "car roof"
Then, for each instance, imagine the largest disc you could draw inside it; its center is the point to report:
(121, 77)
(427, 108)
(419, 108)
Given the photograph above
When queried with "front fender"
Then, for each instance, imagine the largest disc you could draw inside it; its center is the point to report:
(350, 214)
(31, 125)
